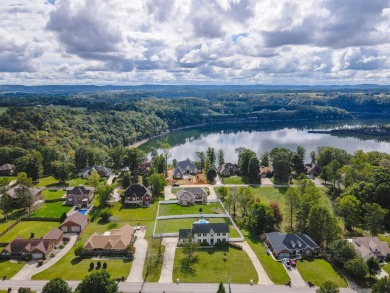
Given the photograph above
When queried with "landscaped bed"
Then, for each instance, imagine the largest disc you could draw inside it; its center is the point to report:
(273, 268)
(52, 194)
(25, 228)
(175, 209)
(210, 267)
(10, 268)
(51, 210)
(318, 271)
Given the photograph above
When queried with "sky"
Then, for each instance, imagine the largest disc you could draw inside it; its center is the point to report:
(129, 42)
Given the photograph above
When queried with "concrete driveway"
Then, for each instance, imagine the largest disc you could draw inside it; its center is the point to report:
(31, 268)
(295, 276)
(169, 259)
(262, 275)
(116, 196)
(141, 246)
(168, 193)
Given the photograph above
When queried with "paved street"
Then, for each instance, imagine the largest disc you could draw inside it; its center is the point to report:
(31, 268)
(174, 288)
(169, 259)
(141, 246)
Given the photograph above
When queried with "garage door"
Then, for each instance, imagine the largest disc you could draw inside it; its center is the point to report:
(37, 255)
(284, 255)
(75, 229)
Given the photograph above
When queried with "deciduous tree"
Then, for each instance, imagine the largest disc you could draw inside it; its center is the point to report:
(94, 179)
(292, 203)
(348, 207)
(221, 158)
(254, 169)
(373, 266)
(104, 194)
(98, 281)
(374, 217)
(328, 287)
(382, 286)
(57, 285)
(202, 158)
(157, 183)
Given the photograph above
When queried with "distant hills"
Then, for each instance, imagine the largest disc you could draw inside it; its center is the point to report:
(154, 87)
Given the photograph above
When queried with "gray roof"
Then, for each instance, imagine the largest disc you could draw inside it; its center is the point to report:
(185, 233)
(6, 167)
(12, 192)
(181, 194)
(78, 190)
(103, 171)
(288, 242)
(138, 189)
(207, 227)
(183, 165)
(229, 167)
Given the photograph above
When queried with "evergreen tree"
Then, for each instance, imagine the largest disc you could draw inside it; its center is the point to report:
(221, 288)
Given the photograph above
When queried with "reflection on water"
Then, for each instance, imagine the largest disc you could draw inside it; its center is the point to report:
(262, 137)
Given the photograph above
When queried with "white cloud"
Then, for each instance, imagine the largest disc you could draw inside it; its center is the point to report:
(203, 41)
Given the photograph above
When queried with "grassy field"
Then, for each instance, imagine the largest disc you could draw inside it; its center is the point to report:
(3, 110)
(174, 225)
(210, 267)
(236, 180)
(175, 209)
(319, 271)
(154, 267)
(10, 268)
(5, 225)
(51, 210)
(24, 230)
(50, 181)
(52, 194)
(274, 269)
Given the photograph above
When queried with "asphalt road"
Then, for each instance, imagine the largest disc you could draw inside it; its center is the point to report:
(174, 288)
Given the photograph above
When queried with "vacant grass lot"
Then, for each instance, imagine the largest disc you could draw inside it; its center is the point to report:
(52, 194)
(236, 180)
(24, 230)
(71, 267)
(174, 225)
(51, 210)
(273, 268)
(175, 209)
(319, 271)
(10, 268)
(50, 181)
(210, 267)
(155, 267)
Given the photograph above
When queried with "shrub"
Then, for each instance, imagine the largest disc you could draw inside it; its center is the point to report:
(61, 246)
(79, 250)
(52, 254)
(91, 266)
(356, 267)
(98, 265)
(104, 265)
(105, 215)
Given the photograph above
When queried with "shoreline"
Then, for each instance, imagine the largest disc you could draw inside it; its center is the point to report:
(143, 141)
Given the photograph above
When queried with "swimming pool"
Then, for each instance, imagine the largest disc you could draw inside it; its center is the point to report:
(202, 221)
(82, 211)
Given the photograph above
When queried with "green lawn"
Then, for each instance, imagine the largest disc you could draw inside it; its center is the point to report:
(47, 181)
(273, 268)
(174, 190)
(386, 268)
(71, 267)
(25, 228)
(175, 209)
(5, 225)
(319, 271)
(10, 268)
(50, 181)
(10, 178)
(210, 267)
(52, 194)
(383, 237)
(154, 265)
(236, 180)
(51, 210)
(174, 225)
(3, 110)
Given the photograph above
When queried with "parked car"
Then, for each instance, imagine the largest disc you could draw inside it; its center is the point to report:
(286, 263)
(175, 184)
(293, 262)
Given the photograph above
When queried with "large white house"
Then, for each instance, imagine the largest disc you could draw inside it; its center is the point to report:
(205, 233)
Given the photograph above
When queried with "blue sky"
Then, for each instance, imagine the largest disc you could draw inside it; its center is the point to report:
(195, 42)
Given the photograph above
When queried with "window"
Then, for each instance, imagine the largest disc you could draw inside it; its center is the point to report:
(223, 234)
(199, 235)
(204, 240)
(218, 234)
(218, 240)
(204, 235)
(223, 240)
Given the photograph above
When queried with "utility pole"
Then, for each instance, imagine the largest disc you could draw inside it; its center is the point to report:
(230, 289)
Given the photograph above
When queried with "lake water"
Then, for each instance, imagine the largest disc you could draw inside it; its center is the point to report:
(262, 137)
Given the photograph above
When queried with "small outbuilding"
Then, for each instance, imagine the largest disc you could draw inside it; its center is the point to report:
(75, 223)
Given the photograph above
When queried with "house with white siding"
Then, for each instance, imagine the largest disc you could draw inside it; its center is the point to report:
(205, 233)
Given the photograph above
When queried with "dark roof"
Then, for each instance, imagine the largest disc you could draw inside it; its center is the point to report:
(78, 190)
(77, 218)
(185, 233)
(207, 227)
(55, 234)
(183, 164)
(6, 167)
(13, 191)
(281, 241)
(103, 171)
(196, 190)
(19, 245)
(138, 189)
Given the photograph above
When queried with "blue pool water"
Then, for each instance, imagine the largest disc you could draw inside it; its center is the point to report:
(202, 222)
(83, 211)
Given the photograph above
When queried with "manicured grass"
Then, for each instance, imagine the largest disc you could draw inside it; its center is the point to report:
(175, 209)
(3, 110)
(50, 181)
(10, 268)
(52, 194)
(51, 210)
(78, 181)
(318, 271)
(133, 214)
(47, 181)
(236, 180)
(10, 178)
(155, 265)
(25, 228)
(383, 237)
(5, 225)
(210, 267)
(273, 268)
(174, 190)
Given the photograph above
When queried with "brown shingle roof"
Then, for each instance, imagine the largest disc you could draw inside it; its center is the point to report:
(118, 239)
(54, 234)
(76, 218)
(20, 245)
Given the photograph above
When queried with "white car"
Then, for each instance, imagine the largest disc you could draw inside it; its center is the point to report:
(286, 263)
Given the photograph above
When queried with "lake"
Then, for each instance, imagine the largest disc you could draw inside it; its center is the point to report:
(262, 137)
